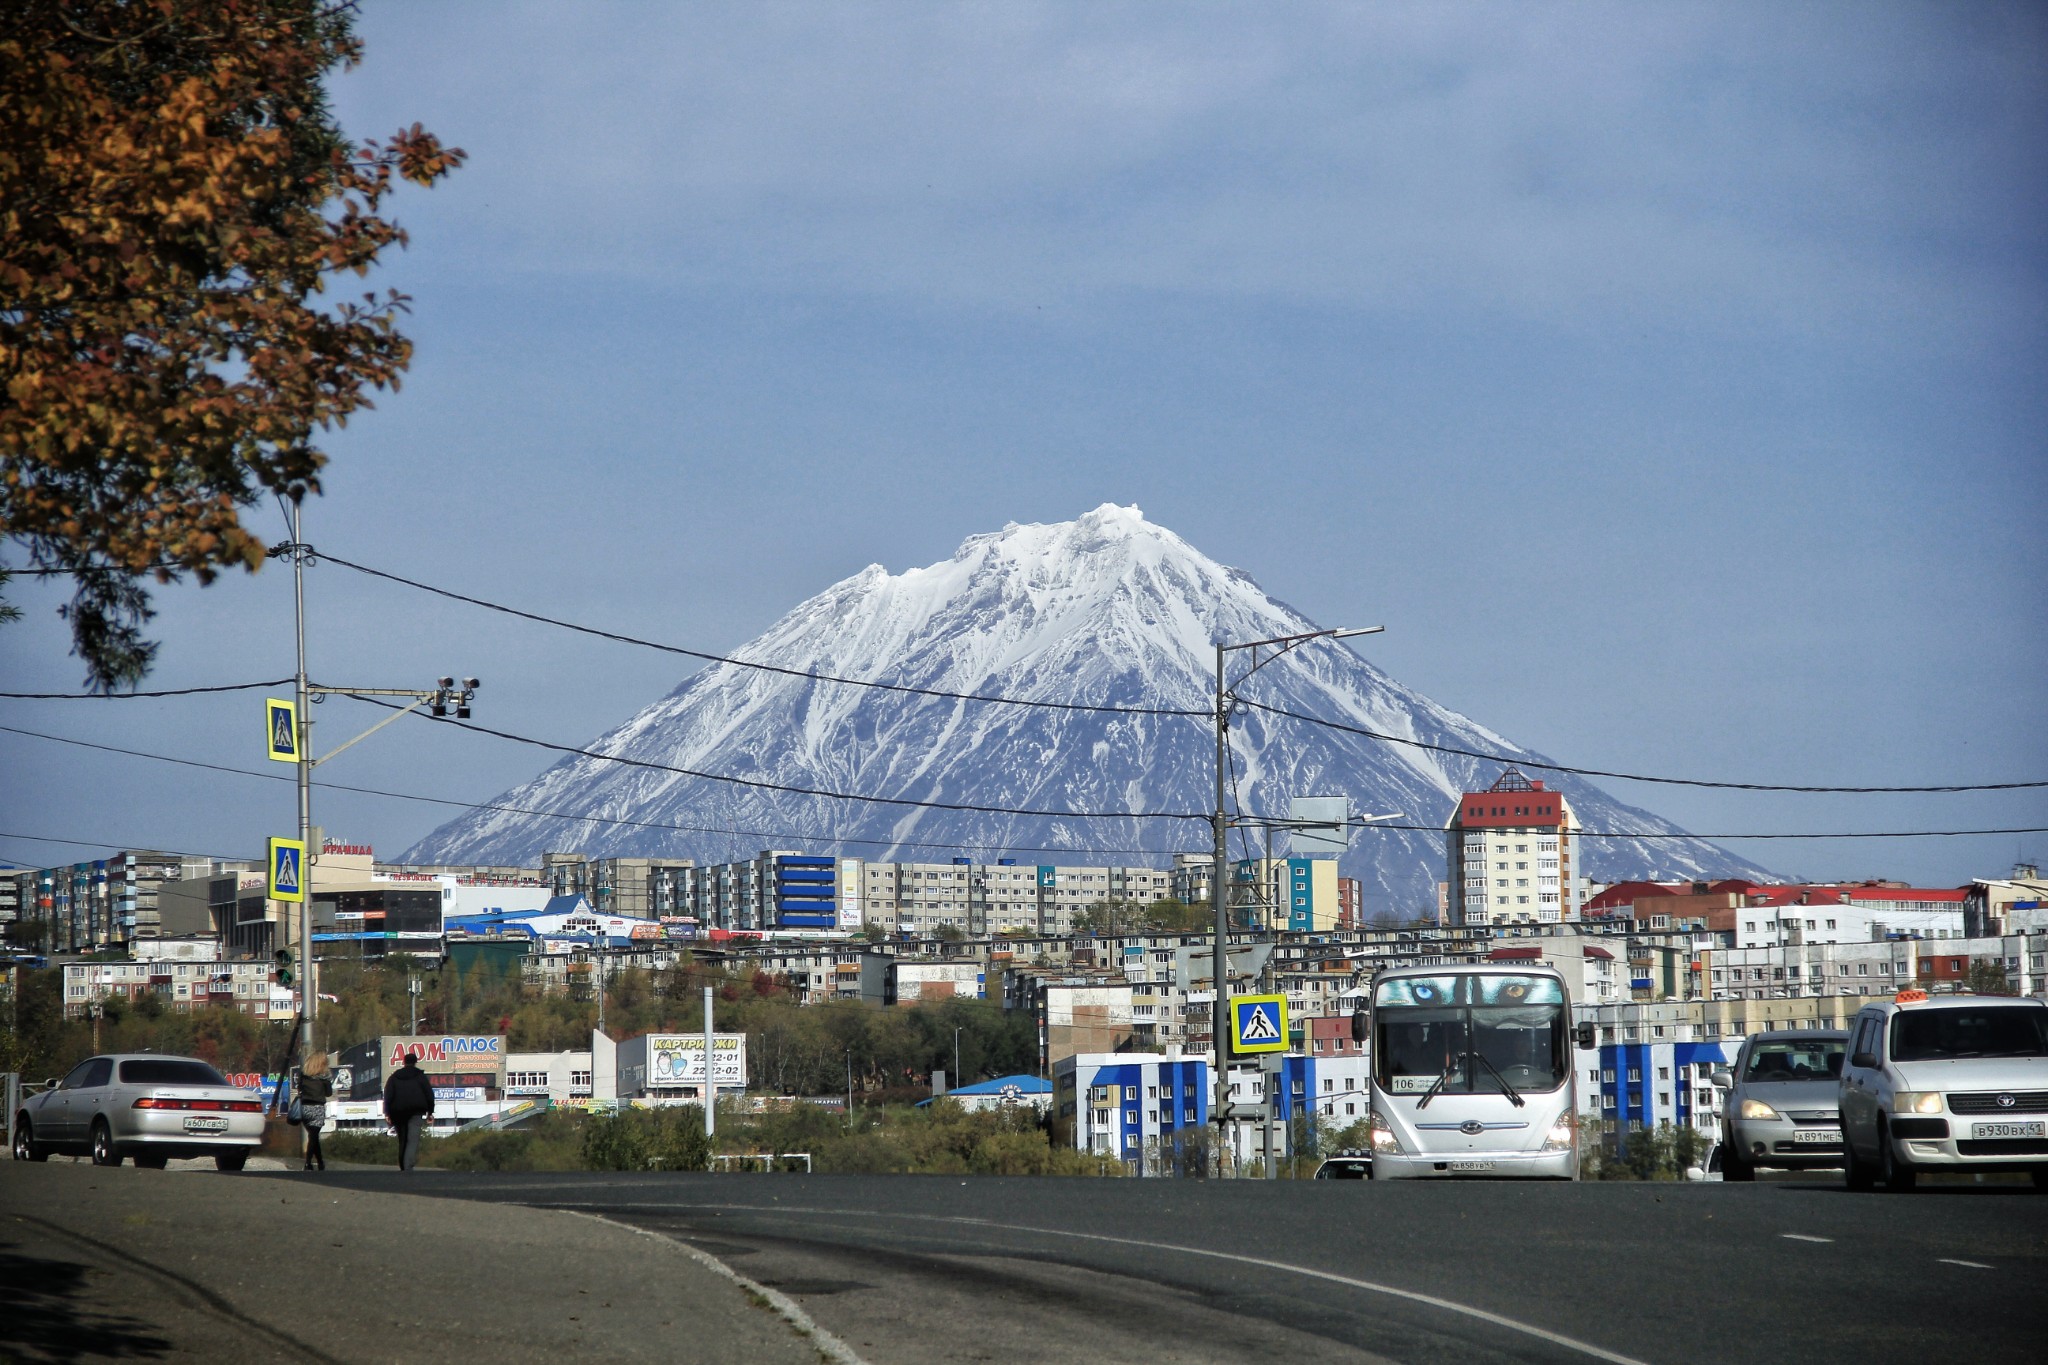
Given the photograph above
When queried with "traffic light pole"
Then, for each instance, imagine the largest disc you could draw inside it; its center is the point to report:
(440, 697)
(309, 992)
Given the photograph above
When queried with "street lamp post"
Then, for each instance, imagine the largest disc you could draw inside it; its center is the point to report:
(1219, 1048)
(956, 1058)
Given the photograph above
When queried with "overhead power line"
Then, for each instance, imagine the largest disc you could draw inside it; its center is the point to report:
(1193, 713)
(785, 836)
(794, 790)
(1520, 761)
(124, 696)
(941, 693)
(907, 843)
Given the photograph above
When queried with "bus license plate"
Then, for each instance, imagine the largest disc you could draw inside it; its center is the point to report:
(1818, 1135)
(2038, 1128)
(1471, 1165)
(206, 1125)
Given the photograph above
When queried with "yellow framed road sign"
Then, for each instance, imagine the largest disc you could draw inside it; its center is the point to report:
(287, 862)
(281, 721)
(1258, 1023)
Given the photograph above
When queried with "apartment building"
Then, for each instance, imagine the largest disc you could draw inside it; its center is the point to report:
(180, 986)
(1513, 853)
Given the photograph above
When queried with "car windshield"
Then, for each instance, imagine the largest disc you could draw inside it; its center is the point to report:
(1986, 1031)
(1795, 1059)
(169, 1071)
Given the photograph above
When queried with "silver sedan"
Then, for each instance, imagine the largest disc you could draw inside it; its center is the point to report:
(148, 1106)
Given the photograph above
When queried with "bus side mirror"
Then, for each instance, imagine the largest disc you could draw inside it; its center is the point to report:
(1360, 1025)
(1585, 1037)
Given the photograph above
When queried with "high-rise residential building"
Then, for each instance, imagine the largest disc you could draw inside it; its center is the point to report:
(1513, 855)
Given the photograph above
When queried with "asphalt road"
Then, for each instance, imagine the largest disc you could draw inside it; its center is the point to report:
(926, 1269)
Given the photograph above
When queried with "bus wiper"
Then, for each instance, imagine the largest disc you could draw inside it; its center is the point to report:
(1513, 1095)
(1437, 1085)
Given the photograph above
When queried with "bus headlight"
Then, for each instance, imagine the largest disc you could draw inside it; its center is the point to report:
(1383, 1139)
(1561, 1135)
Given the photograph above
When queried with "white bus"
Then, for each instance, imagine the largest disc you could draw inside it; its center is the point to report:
(1472, 1073)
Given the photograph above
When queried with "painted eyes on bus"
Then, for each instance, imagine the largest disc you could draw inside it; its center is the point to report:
(1427, 994)
(1516, 990)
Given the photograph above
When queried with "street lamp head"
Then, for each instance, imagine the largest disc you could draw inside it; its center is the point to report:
(1356, 630)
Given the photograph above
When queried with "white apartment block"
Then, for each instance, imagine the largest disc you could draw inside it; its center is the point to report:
(181, 986)
(1777, 926)
(1513, 856)
(980, 899)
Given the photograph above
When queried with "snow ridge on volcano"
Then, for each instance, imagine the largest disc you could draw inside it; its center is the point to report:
(1106, 610)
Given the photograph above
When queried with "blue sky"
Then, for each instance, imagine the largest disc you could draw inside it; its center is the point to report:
(1666, 378)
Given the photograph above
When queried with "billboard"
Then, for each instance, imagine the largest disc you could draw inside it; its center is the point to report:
(461, 1066)
(678, 1059)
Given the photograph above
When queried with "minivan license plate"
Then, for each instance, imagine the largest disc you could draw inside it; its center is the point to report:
(1818, 1135)
(2038, 1128)
(1471, 1165)
(206, 1125)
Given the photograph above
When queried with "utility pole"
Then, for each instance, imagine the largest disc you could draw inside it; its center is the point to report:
(440, 697)
(710, 1076)
(1219, 1047)
(309, 992)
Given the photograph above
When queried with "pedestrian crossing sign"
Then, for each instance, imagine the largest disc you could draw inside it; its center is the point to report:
(282, 722)
(287, 870)
(1258, 1023)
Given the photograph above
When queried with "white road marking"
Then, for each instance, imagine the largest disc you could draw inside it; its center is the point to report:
(1974, 1265)
(828, 1346)
(1412, 1296)
(1802, 1237)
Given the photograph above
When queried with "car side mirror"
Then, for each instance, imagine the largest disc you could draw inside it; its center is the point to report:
(1863, 1059)
(1586, 1036)
(1721, 1080)
(53, 1082)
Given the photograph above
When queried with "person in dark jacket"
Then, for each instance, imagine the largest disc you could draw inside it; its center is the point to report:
(315, 1089)
(408, 1103)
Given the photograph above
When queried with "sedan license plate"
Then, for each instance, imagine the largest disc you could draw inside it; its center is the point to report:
(1471, 1165)
(1817, 1135)
(2038, 1128)
(206, 1125)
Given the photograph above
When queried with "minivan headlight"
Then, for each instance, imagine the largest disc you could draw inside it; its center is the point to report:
(1757, 1109)
(1916, 1102)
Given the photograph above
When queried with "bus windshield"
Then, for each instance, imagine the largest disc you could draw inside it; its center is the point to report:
(1469, 1034)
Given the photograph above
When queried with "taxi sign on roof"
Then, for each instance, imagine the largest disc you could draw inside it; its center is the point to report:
(1258, 1023)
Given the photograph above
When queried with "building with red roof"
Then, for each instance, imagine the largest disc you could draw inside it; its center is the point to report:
(1513, 855)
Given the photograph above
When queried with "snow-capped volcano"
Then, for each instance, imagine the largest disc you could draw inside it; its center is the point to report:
(1108, 610)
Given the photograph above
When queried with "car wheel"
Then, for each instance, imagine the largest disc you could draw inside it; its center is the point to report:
(25, 1148)
(229, 1161)
(149, 1162)
(1898, 1177)
(1733, 1167)
(103, 1153)
(1855, 1174)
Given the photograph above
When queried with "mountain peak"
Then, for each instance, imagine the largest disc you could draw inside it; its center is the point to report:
(1107, 611)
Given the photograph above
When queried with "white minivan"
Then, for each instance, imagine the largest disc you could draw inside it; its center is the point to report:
(1946, 1082)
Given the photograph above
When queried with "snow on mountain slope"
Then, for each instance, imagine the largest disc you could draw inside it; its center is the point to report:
(1106, 610)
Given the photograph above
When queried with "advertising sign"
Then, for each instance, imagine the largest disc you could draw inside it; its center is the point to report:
(678, 1059)
(460, 1066)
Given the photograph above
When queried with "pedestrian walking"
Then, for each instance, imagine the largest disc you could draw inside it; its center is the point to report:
(408, 1103)
(315, 1089)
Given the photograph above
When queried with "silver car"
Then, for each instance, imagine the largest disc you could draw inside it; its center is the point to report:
(1783, 1107)
(148, 1106)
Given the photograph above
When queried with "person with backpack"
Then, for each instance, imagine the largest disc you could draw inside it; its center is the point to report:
(408, 1104)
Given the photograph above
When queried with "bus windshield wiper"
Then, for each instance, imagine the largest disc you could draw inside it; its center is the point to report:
(1438, 1084)
(1513, 1095)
